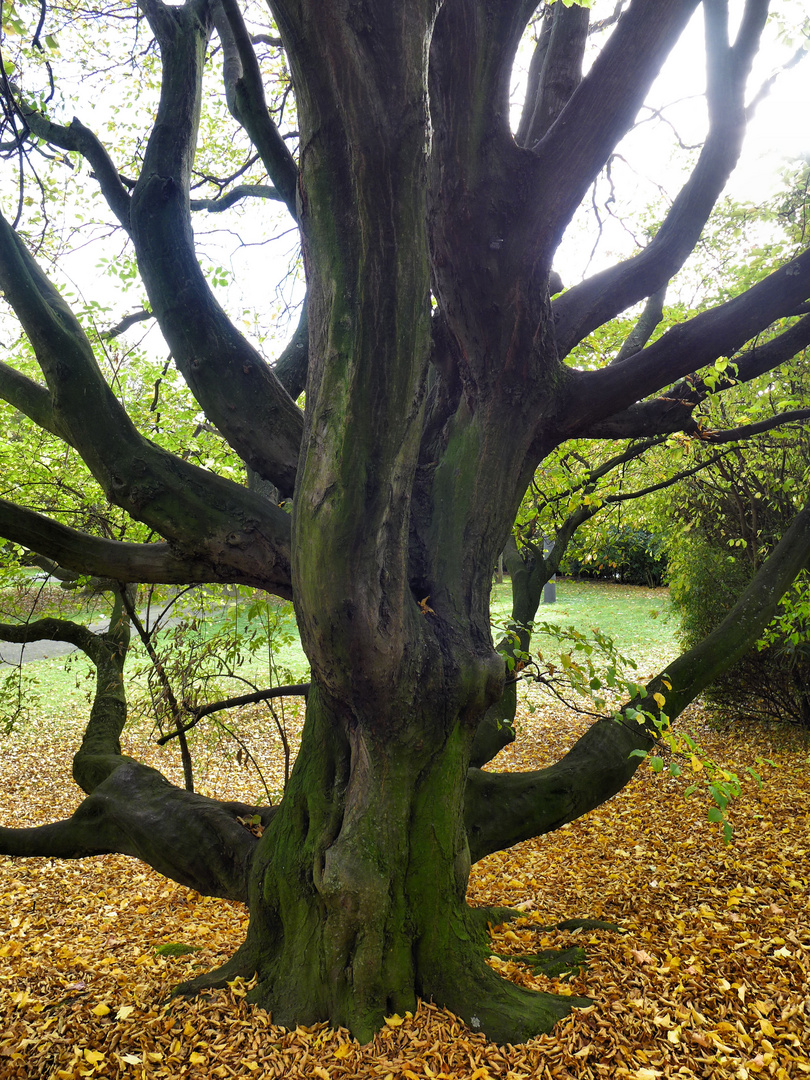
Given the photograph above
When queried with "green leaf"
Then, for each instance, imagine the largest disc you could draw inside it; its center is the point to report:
(176, 948)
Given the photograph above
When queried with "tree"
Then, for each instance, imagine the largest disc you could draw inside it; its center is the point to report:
(436, 382)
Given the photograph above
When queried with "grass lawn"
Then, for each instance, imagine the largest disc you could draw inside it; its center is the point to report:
(638, 618)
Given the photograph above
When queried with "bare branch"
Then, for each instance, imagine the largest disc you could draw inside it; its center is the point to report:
(295, 690)
(127, 321)
(243, 191)
(81, 139)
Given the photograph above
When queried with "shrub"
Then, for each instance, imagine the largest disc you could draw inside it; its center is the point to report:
(773, 679)
(617, 553)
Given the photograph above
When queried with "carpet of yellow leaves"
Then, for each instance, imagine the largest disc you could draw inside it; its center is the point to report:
(710, 979)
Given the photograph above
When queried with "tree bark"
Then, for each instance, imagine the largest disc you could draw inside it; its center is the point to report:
(357, 890)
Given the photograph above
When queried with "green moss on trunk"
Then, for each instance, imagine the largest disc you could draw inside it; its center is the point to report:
(357, 895)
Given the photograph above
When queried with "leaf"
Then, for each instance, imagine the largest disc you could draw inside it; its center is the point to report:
(124, 1012)
(176, 948)
(196, 1059)
(93, 1057)
(100, 1010)
(131, 1059)
(394, 1021)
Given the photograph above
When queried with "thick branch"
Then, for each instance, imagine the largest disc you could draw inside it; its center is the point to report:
(241, 191)
(189, 838)
(601, 110)
(641, 333)
(600, 298)
(561, 72)
(747, 431)
(208, 518)
(128, 320)
(50, 630)
(119, 561)
(291, 367)
(596, 397)
(232, 382)
(503, 809)
(244, 92)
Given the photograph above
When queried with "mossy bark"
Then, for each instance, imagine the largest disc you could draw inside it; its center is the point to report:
(357, 895)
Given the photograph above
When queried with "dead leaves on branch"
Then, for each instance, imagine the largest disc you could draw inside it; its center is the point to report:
(711, 979)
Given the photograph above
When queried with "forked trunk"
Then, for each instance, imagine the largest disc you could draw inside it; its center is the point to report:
(358, 888)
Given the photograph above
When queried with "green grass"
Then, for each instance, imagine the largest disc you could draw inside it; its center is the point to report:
(636, 617)
(639, 619)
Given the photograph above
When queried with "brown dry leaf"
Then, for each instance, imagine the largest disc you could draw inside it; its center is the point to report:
(710, 981)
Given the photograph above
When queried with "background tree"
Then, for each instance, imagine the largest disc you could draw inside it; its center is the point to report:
(436, 381)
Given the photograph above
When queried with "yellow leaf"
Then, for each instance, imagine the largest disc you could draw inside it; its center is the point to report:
(131, 1059)
(480, 1074)
(100, 1010)
(196, 1059)
(343, 1051)
(393, 1021)
(767, 1028)
(250, 1065)
(659, 700)
(321, 1072)
(697, 764)
(124, 1012)
(93, 1057)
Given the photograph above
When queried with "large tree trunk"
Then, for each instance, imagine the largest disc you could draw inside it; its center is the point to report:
(357, 891)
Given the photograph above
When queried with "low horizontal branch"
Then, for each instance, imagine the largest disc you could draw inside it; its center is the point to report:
(296, 690)
(86, 554)
(243, 191)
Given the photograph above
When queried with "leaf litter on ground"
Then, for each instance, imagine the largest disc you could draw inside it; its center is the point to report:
(709, 978)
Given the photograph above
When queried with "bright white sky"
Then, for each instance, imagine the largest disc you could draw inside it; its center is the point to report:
(778, 134)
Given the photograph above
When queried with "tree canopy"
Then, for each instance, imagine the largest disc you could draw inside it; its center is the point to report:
(441, 365)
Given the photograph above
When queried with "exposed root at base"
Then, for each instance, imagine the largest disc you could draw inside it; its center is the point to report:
(240, 965)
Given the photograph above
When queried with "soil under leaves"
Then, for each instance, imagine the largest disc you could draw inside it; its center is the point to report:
(711, 977)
